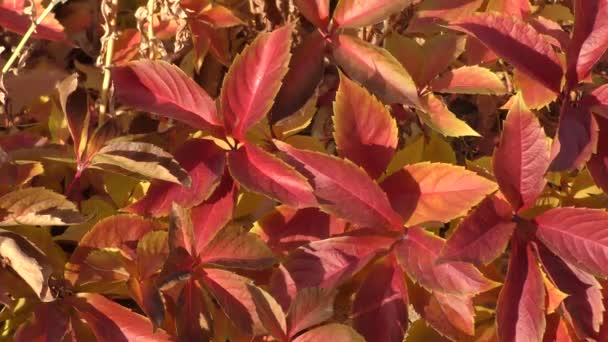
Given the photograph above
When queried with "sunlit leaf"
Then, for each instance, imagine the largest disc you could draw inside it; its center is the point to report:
(355, 13)
(469, 80)
(38, 207)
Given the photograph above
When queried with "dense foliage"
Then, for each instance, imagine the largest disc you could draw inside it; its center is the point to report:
(304, 170)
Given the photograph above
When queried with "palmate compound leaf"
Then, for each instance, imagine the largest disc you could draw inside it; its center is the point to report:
(162, 88)
(418, 255)
(344, 189)
(589, 39)
(204, 162)
(521, 303)
(357, 13)
(28, 262)
(483, 235)
(471, 79)
(261, 172)
(517, 43)
(37, 207)
(380, 307)
(254, 79)
(578, 235)
(141, 159)
(315, 11)
(522, 158)
(364, 130)
(435, 192)
(375, 68)
(110, 321)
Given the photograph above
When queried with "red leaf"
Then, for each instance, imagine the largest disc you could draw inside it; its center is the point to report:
(380, 307)
(583, 306)
(49, 323)
(521, 160)
(13, 18)
(164, 89)
(305, 72)
(191, 307)
(557, 330)
(435, 192)
(364, 130)
(578, 235)
(483, 235)
(469, 80)
(254, 79)
(214, 213)
(112, 322)
(597, 100)
(262, 172)
(598, 164)
(329, 263)
(375, 68)
(208, 39)
(517, 43)
(234, 297)
(334, 332)
(534, 93)
(344, 189)
(576, 139)
(355, 13)
(204, 162)
(220, 17)
(518, 8)
(520, 312)
(310, 307)
(109, 233)
(589, 39)
(286, 228)
(234, 248)
(315, 11)
(418, 254)
(452, 316)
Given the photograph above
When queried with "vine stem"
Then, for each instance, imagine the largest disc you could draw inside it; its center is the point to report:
(105, 86)
(27, 36)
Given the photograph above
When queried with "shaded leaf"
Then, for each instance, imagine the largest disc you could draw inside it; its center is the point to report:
(204, 162)
(310, 307)
(192, 314)
(521, 303)
(270, 313)
(254, 80)
(232, 247)
(435, 192)
(344, 189)
(583, 306)
(483, 235)
(162, 88)
(469, 80)
(517, 43)
(534, 93)
(598, 164)
(110, 321)
(14, 18)
(380, 306)
(37, 207)
(418, 255)
(142, 159)
(329, 263)
(522, 158)
(376, 69)
(431, 13)
(364, 130)
(576, 139)
(262, 172)
(49, 323)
